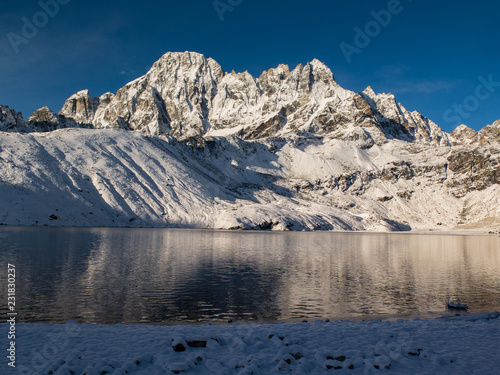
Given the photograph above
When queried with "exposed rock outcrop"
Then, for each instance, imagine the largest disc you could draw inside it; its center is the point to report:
(80, 108)
(10, 120)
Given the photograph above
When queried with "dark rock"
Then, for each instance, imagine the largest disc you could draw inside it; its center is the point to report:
(297, 355)
(197, 343)
(385, 198)
(179, 347)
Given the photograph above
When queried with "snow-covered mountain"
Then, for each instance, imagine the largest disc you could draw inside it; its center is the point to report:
(187, 95)
(286, 150)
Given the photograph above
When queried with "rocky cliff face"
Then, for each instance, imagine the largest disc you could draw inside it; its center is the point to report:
(11, 120)
(187, 95)
(463, 135)
(398, 122)
(490, 133)
(174, 97)
(80, 108)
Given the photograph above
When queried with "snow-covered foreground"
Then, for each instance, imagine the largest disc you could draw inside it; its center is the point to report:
(458, 345)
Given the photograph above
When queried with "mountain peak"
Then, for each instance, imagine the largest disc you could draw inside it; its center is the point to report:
(80, 107)
(42, 114)
(462, 134)
(490, 133)
(369, 92)
(186, 57)
(84, 92)
(320, 66)
(44, 120)
(185, 60)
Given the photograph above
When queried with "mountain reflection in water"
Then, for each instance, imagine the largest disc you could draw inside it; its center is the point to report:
(155, 275)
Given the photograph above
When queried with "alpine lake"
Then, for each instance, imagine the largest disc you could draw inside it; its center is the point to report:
(172, 276)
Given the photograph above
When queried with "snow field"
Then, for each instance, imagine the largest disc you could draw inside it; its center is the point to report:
(117, 178)
(456, 345)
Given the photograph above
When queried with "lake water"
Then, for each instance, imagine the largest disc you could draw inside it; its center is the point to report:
(156, 275)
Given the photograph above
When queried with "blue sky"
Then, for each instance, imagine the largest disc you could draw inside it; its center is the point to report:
(440, 58)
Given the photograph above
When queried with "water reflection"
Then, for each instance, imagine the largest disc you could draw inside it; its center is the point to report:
(153, 275)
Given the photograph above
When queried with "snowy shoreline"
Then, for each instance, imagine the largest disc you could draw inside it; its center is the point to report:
(417, 231)
(459, 345)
